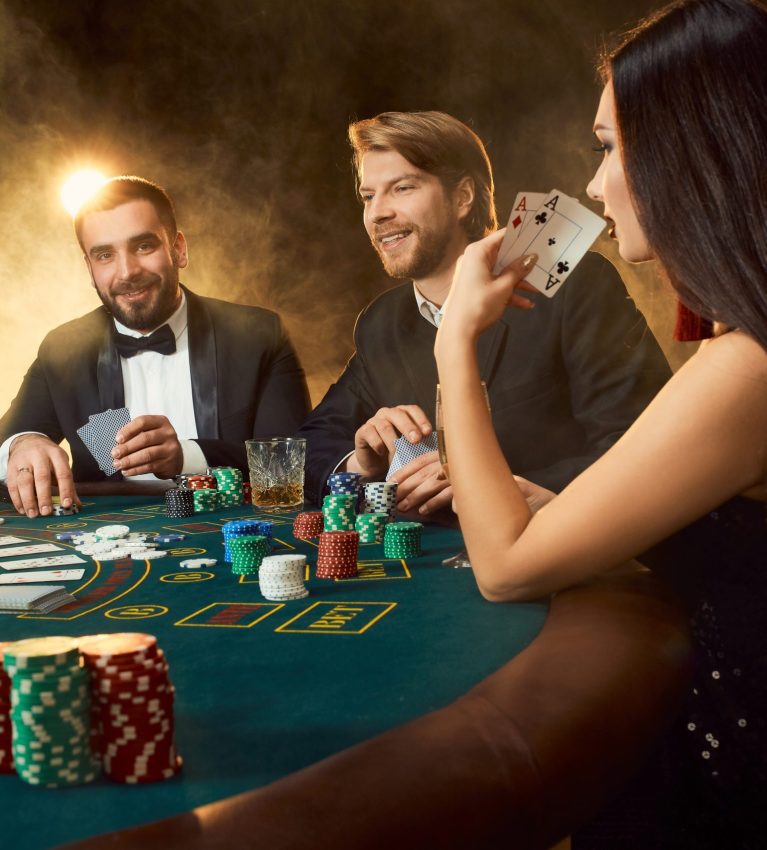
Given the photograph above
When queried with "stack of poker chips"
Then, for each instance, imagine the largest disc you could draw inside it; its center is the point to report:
(345, 482)
(113, 543)
(205, 500)
(50, 711)
(204, 490)
(337, 555)
(370, 527)
(196, 482)
(241, 527)
(60, 510)
(179, 503)
(132, 707)
(230, 485)
(281, 577)
(308, 525)
(247, 553)
(402, 540)
(339, 510)
(6, 752)
(380, 497)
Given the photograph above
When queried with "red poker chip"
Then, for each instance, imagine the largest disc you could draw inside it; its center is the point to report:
(143, 743)
(141, 740)
(106, 646)
(129, 762)
(122, 662)
(134, 665)
(120, 683)
(117, 681)
(165, 695)
(130, 736)
(156, 776)
(122, 753)
(147, 722)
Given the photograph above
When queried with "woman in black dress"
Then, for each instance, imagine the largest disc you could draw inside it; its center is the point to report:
(682, 128)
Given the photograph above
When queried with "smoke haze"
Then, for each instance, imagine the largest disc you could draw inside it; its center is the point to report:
(240, 108)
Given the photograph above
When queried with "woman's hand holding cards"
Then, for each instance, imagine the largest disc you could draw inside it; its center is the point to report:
(478, 297)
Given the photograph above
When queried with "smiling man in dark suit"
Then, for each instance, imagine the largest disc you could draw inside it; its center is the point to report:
(198, 375)
(565, 379)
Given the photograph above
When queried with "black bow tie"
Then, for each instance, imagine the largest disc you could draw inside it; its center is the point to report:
(162, 341)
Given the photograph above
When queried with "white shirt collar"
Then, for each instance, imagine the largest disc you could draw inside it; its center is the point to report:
(177, 322)
(427, 309)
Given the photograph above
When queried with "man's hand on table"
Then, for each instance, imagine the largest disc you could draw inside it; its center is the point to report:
(374, 441)
(148, 444)
(35, 465)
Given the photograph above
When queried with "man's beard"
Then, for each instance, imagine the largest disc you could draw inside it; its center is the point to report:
(420, 262)
(150, 315)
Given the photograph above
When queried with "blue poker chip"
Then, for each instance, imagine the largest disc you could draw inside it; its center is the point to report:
(66, 536)
(168, 538)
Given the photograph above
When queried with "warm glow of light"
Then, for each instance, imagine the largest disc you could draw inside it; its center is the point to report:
(79, 187)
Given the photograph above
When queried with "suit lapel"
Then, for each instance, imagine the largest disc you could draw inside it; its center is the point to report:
(414, 342)
(203, 367)
(109, 375)
(488, 348)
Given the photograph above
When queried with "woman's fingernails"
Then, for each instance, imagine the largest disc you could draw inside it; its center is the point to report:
(529, 260)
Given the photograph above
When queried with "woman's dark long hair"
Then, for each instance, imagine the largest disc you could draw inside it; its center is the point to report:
(691, 101)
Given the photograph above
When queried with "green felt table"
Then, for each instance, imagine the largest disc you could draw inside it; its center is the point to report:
(263, 689)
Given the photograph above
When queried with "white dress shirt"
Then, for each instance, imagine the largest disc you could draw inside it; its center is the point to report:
(159, 385)
(428, 309)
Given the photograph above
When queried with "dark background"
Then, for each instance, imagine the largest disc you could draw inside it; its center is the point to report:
(240, 107)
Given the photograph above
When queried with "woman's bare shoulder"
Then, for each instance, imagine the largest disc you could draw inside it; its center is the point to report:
(737, 353)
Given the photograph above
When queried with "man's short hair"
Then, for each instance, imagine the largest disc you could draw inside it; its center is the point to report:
(436, 143)
(122, 190)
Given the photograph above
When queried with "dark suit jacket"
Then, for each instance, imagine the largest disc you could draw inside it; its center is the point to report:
(246, 381)
(565, 380)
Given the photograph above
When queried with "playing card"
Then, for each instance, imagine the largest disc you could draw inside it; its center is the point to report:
(560, 232)
(32, 549)
(6, 541)
(40, 599)
(50, 561)
(99, 435)
(44, 575)
(405, 451)
(525, 204)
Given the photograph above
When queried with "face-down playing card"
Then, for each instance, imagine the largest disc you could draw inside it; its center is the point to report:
(99, 435)
(560, 233)
(405, 451)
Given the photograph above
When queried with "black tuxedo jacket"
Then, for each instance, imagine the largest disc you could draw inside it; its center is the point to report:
(565, 380)
(246, 381)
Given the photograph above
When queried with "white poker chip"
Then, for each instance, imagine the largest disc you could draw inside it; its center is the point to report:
(148, 554)
(96, 548)
(113, 555)
(112, 532)
(84, 537)
(198, 563)
(2, 521)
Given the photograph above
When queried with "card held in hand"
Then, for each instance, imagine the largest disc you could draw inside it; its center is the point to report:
(525, 204)
(99, 434)
(405, 451)
(560, 233)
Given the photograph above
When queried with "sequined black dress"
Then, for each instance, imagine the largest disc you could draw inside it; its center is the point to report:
(707, 785)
